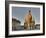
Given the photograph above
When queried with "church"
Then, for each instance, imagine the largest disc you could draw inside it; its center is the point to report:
(29, 21)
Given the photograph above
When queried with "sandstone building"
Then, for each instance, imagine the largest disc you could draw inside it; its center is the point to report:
(29, 21)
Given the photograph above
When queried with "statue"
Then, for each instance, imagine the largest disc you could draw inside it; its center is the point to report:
(28, 24)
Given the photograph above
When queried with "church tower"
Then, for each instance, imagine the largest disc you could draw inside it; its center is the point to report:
(29, 21)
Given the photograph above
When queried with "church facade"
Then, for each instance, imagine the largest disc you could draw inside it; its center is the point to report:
(29, 21)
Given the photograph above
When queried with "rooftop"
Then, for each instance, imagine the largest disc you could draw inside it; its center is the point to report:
(15, 19)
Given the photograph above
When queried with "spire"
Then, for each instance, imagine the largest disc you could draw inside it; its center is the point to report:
(30, 11)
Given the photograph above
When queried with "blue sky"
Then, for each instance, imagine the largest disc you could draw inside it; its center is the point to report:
(20, 12)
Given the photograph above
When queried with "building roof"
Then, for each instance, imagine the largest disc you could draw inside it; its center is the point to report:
(15, 19)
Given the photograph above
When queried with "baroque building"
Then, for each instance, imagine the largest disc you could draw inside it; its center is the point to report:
(29, 21)
(15, 23)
